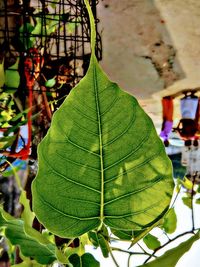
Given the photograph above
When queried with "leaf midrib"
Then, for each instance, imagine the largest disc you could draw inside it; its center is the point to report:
(100, 137)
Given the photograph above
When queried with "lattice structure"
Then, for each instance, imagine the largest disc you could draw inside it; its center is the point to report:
(59, 30)
(45, 51)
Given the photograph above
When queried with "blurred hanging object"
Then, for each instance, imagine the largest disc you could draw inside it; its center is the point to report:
(167, 111)
(188, 125)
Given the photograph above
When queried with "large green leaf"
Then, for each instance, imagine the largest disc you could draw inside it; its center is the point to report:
(172, 256)
(101, 161)
(29, 246)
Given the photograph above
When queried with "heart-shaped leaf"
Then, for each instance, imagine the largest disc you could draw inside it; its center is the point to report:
(101, 161)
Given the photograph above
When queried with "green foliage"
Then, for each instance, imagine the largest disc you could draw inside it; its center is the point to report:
(29, 246)
(28, 263)
(24, 32)
(125, 235)
(170, 221)
(151, 241)
(6, 141)
(172, 256)
(187, 201)
(86, 260)
(197, 201)
(2, 74)
(187, 183)
(50, 82)
(12, 77)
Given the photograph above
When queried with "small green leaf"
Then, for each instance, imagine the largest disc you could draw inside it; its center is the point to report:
(198, 189)
(172, 256)
(124, 235)
(37, 30)
(197, 201)
(93, 238)
(61, 257)
(170, 221)
(14, 128)
(187, 201)
(151, 242)
(187, 183)
(27, 215)
(12, 77)
(50, 82)
(28, 263)
(86, 260)
(7, 141)
(71, 26)
(2, 74)
(10, 172)
(19, 115)
(25, 31)
(29, 246)
(103, 243)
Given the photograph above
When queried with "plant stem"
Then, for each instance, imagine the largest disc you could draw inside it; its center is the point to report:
(168, 242)
(130, 252)
(129, 260)
(113, 258)
(92, 27)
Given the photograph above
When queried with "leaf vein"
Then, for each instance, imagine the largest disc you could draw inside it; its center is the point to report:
(133, 168)
(69, 179)
(65, 214)
(125, 131)
(130, 153)
(135, 191)
(77, 163)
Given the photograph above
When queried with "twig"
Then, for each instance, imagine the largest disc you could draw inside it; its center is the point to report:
(113, 258)
(131, 252)
(192, 204)
(129, 260)
(168, 242)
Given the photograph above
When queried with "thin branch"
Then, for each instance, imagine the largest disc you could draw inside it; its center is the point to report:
(113, 258)
(129, 260)
(192, 199)
(142, 248)
(168, 242)
(131, 252)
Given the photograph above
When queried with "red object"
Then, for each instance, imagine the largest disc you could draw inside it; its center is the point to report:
(32, 65)
(168, 109)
